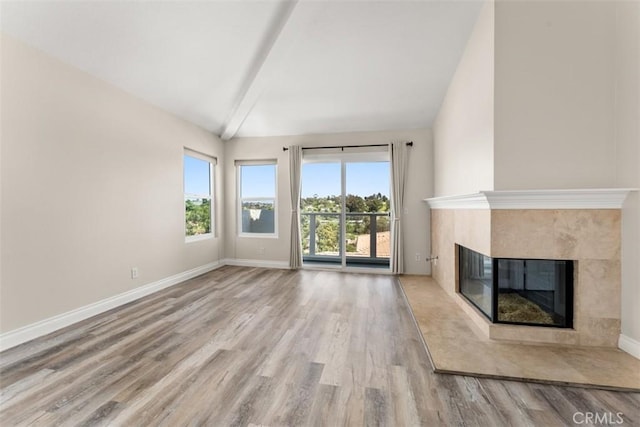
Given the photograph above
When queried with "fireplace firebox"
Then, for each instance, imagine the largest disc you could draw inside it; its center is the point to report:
(536, 292)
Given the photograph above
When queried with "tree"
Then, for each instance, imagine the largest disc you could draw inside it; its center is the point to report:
(374, 203)
(305, 230)
(197, 217)
(355, 204)
(327, 236)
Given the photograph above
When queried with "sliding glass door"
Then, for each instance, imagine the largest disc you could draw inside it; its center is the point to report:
(345, 211)
(321, 212)
(367, 234)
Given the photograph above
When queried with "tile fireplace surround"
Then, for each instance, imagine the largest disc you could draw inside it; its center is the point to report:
(579, 225)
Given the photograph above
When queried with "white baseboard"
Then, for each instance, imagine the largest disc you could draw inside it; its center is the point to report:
(256, 263)
(46, 326)
(629, 345)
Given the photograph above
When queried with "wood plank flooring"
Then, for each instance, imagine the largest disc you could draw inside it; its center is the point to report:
(246, 346)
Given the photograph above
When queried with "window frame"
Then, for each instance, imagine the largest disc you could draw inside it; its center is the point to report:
(211, 196)
(240, 199)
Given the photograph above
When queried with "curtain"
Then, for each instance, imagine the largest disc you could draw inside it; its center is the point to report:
(398, 156)
(295, 166)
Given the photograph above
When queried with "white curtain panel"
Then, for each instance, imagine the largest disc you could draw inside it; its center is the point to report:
(398, 156)
(295, 169)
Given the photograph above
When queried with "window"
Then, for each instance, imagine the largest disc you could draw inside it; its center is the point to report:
(257, 198)
(198, 191)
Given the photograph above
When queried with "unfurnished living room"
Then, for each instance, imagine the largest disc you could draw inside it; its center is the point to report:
(339, 213)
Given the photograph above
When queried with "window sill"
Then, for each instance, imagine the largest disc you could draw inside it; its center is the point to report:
(258, 235)
(198, 238)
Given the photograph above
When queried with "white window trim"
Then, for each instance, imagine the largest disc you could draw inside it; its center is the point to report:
(240, 199)
(212, 163)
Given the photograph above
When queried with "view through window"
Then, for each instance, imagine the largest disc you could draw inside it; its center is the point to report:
(198, 185)
(257, 198)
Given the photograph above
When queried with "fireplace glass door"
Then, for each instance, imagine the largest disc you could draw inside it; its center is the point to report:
(476, 280)
(533, 291)
(518, 291)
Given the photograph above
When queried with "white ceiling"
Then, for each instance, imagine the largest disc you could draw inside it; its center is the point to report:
(244, 68)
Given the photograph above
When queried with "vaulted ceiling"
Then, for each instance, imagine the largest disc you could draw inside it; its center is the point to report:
(244, 68)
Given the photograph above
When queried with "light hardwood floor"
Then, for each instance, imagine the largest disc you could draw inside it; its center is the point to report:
(242, 346)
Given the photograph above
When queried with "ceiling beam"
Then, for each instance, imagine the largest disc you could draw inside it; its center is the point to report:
(260, 72)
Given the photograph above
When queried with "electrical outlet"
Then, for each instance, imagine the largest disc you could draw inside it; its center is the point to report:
(261, 250)
(417, 256)
(134, 272)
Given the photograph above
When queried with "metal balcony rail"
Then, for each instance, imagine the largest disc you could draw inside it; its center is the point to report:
(335, 256)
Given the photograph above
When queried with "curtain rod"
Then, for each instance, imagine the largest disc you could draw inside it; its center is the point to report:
(342, 147)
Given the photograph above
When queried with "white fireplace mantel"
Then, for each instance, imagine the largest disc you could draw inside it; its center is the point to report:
(596, 198)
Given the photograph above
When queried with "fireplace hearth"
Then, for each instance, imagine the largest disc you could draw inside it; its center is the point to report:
(537, 292)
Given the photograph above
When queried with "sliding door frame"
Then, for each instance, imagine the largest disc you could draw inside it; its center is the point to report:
(343, 158)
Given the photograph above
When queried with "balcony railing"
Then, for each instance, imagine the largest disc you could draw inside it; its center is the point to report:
(367, 237)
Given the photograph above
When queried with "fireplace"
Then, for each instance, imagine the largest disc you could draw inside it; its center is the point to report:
(527, 227)
(537, 292)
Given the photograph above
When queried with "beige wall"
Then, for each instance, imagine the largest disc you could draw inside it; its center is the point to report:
(249, 248)
(554, 94)
(463, 130)
(91, 186)
(627, 127)
(419, 186)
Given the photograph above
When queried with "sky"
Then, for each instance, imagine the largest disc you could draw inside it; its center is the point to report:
(363, 179)
(196, 176)
(323, 179)
(258, 181)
